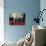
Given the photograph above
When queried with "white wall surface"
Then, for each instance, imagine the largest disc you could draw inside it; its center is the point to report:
(1, 21)
(43, 6)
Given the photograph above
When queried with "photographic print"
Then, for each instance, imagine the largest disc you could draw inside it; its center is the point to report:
(17, 19)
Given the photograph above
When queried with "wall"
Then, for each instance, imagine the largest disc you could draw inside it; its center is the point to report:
(1, 21)
(30, 7)
(43, 6)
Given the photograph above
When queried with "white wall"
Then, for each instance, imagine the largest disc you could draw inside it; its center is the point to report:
(43, 6)
(1, 21)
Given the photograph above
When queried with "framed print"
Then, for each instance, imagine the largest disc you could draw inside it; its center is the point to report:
(17, 19)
